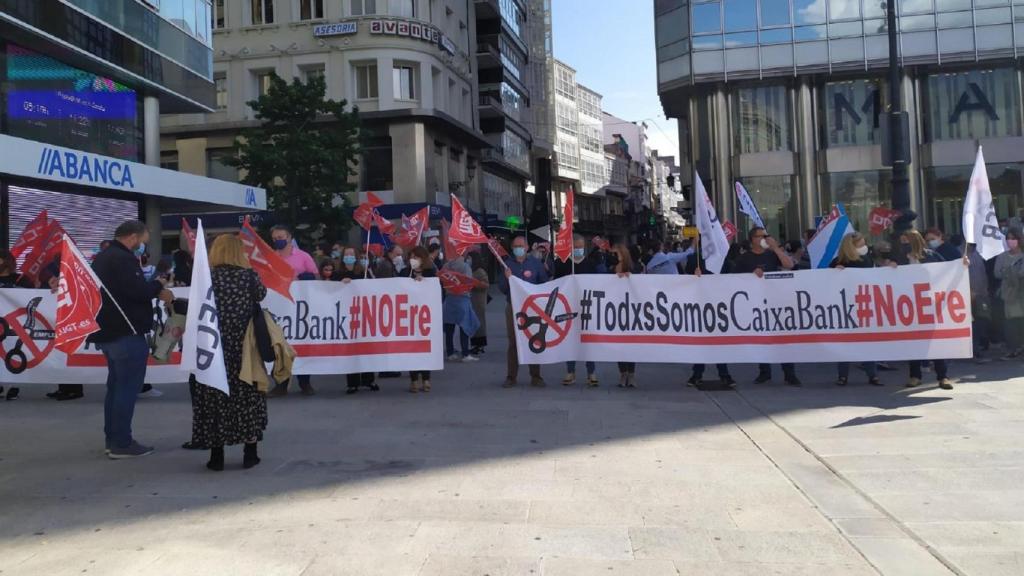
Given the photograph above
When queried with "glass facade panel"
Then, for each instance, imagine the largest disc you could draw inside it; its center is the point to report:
(707, 42)
(955, 20)
(914, 6)
(761, 119)
(843, 9)
(672, 27)
(808, 12)
(852, 110)
(946, 187)
(740, 39)
(992, 16)
(987, 3)
(777, 204)
(859, 193)
(776, 36)
(995, 37)
(740, 15)
(910, 23)
(774, 12)
(780, 56)
(707, 18)
(952, 5)
(874, 9)
(805, 33)
(972, 104)
(844, 29)
(876, 27)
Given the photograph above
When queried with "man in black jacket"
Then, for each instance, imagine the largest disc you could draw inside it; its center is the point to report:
(122, 334)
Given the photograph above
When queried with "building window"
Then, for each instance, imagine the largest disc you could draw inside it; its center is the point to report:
(220, 81)
(263, 82)
(169, 160)
(777, 204)
(375, 170)
(261, 12)
(707, 18)
(218, 15)
(945, 187)
(972, 104)
(364, 7)
(311, 9)
(853, 112)
(591, 138)
(366, 81)
(403, 8)
(217, 168)
(516, 150)
(761, 116)
(565, 82)
(568, 154)
(404, 80)
(589, 103)
(859, 193)
(312, 72)
(565, 118)
(592, 176)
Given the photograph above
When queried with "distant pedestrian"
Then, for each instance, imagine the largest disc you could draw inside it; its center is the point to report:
(420, 266)
(579, 263)
(304, 267)
(624, 266)
(935, 238)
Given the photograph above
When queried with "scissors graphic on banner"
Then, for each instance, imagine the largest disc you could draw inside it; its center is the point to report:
(26, 335)
(532, 315)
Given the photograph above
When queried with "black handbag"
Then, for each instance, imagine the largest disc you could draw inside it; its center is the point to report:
(262, 333)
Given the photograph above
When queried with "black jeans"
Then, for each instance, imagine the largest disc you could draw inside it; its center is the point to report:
(627, 367)
(941, 370)
(787, 369)
(723, 371)
(449, 340)
(354, 381)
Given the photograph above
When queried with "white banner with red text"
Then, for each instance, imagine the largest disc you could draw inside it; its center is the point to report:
(906, 313)
(365, 326)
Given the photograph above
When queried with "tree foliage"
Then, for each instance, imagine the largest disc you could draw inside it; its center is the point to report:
(303, 153)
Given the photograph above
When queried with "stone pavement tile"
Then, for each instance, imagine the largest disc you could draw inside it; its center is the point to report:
(986, 562)
(674, 543)
(445, 565)
(56, 561)
(912, 445)
(701, 512)
(950, 479)
(869, 527)
(585, 513)
(935, 506)
(977, 536)
(762, 569)
(895, 462)
(784, 547)
(774, 518)
(504, 489)
(900, 557)
(582, 567)
(495, 540)
(414, 508)
(365, 564)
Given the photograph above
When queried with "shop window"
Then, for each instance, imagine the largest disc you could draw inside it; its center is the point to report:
(777, 204)
(853, 112)
(944, 188)
(859, 193)
(375, 170)
(972, 104)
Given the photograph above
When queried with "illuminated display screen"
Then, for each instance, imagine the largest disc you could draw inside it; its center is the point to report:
(52, 102)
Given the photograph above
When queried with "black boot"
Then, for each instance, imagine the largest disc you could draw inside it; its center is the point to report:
(216, 462)
(250, 458)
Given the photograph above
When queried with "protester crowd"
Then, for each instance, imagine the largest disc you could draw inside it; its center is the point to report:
(241, 417)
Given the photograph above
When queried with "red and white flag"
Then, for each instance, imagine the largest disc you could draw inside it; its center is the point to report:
(452, 247)
(497, 249)
(44, 252)
(78, 299)
(465, 229)
(563, 239)
(730, 230)
(275, 272)
(33, 234)
(190, 234)
(455, 282)
(412, 228)
(364, 213)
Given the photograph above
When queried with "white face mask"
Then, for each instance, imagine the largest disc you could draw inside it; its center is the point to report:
(415, 263)
(764, 243)
(862, 250)
(933, 244)
(398, 262)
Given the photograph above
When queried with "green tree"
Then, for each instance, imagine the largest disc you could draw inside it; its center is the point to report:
(303, 153)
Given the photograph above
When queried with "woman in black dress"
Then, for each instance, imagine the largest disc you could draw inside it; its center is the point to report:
(219, 419)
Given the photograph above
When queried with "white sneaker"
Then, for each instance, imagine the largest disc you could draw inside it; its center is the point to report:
(470, 358)
(151, 393)
(455, 358)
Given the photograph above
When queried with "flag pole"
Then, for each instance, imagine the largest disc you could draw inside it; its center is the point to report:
(78, 254)
(366, 271)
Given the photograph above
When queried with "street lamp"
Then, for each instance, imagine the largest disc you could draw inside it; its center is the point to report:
(898, 131)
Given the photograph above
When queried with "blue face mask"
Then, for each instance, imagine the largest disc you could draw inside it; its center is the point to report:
(364, 262)
(140, 250)
(578, 253)
(519, 251)
(349, 260)
(335, 254)
(280, 244)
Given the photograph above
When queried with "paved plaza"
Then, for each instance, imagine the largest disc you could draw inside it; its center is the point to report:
(474, 479)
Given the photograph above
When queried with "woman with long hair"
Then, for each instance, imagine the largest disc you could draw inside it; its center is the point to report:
(624, 266)
(220, 419)
(913, 251)
(853, 253)
(1010, 271)
(420, 266)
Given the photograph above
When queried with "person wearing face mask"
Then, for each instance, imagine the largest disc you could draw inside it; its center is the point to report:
(853, 253)
(662, 262)
(9, 278)
(579, 263)
(936, 241)
(913, 251)
(349, 269)
(392, 264)
(1009, 270)
(458, 314)
(695, 266)
(420, 266)
(765, 255)
(122, 334)
(529, 269)
(304, 267)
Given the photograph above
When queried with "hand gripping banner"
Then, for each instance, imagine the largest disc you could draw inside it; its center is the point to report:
(907, 313)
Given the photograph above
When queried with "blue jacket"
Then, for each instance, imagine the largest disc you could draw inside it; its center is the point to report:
(530, 270)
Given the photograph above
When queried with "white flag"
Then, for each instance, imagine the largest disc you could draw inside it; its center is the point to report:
(747, 205)
(981, 226)
(202, 348)
(714, 246)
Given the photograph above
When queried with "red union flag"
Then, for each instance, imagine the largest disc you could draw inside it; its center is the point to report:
(730, 230)
(881, 218)
(383, 224)
(601, 243)
(44, 252)
(563, 239)
(275, 272)
(190, 234)
(33, 234)
(78, 299)
(455, 282)
(412, 228)
(452, 247)
(465, 230)
(365, 213)
(497, 249)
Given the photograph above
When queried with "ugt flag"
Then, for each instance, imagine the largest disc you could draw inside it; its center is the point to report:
(714, 246)
(275, 272)
(563, 239)
(32, 236)
(981, 226)
(747, 206)
(465, 230)
(824, 245)
(78, 299)
(202, 350)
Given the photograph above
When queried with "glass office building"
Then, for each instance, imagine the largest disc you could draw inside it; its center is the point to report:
(785, 97)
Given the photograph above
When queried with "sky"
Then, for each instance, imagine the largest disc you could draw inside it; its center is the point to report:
(610, 43)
